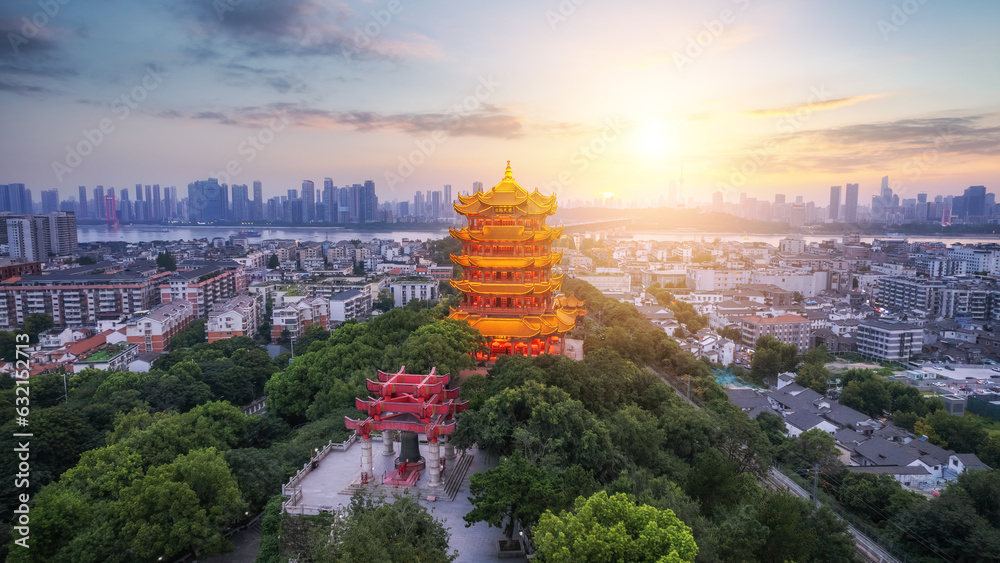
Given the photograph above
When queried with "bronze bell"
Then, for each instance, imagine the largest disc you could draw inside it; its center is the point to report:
(409, 448)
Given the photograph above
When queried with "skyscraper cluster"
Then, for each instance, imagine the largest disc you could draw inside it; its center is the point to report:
(974, 206)
(209, 201)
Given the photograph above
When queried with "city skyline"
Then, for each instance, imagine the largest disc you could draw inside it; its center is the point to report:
(677, 99)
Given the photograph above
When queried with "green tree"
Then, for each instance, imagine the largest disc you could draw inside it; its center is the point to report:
(273, 262)
(166, 261)
(377, 530)
(732, 333)
(313, 333)
(516, 490)
(870, 396)
(447, 344)
(37, 323)
(614, 528)
(814, 376)
(959, 433)
(194, 334)
(384, 301)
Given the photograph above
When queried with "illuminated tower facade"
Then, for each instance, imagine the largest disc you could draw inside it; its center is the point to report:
(507, 283)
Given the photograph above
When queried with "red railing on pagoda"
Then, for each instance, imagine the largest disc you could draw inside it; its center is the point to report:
(409, 402)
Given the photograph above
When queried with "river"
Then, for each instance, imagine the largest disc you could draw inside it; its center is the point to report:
(146, 233)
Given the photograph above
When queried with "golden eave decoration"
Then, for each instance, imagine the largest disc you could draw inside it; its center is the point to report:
(507, 194)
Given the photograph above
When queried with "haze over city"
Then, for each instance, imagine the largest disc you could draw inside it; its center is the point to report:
(586, 98)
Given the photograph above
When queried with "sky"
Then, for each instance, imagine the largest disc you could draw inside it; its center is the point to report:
(584, 97)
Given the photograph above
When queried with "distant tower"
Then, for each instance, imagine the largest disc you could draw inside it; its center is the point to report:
(833, 212)
(851, 204)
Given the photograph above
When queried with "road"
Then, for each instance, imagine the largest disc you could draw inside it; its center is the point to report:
(865, 546)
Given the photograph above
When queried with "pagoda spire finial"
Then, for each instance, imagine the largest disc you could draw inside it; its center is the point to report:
(508, 175)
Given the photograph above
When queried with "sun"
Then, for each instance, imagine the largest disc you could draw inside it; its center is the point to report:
(654, 139)
(607, 195)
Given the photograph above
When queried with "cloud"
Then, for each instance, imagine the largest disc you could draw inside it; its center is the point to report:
(298, 28)
(485, 121)
(814, 106)
(886, 145)
(241, 75)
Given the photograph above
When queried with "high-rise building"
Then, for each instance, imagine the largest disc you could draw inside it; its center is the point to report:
(157, 204)
(309, 201)
(207, 201)
(370, 202)
(241, 203)
(50, 200)
(477, 187)
(833, 212)
(15, 198)
(332, 199)
(99, 205)
(436, 204)
(82, 206)
(125, 207)
(418, 203)
(258, 201)
(39, 237)
(975, 204)
(798, 216)
(448, 201)
(851, 204)
(718, 203)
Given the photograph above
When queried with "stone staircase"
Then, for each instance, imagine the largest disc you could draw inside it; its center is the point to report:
(454, 479)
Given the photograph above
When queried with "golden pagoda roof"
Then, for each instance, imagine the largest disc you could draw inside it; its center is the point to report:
(507, 262)
(507, 233)
(508, 193)
(488, 288)
(528, 326)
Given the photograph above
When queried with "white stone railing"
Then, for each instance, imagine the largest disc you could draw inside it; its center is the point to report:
(292, 490)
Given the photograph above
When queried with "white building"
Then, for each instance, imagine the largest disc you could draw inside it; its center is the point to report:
(405, 290)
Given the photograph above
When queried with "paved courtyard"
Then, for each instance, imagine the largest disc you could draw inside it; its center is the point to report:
(328, 488)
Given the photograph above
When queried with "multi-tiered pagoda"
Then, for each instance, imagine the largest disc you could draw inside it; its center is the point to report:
(507, 282)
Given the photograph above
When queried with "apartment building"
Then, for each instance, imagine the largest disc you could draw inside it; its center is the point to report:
(889, 341)
(789, 329)
(205, 285)
(405, 290)
(347, 305)
(79, 297)
(298, 315)
(239, 316)
(152, 332)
